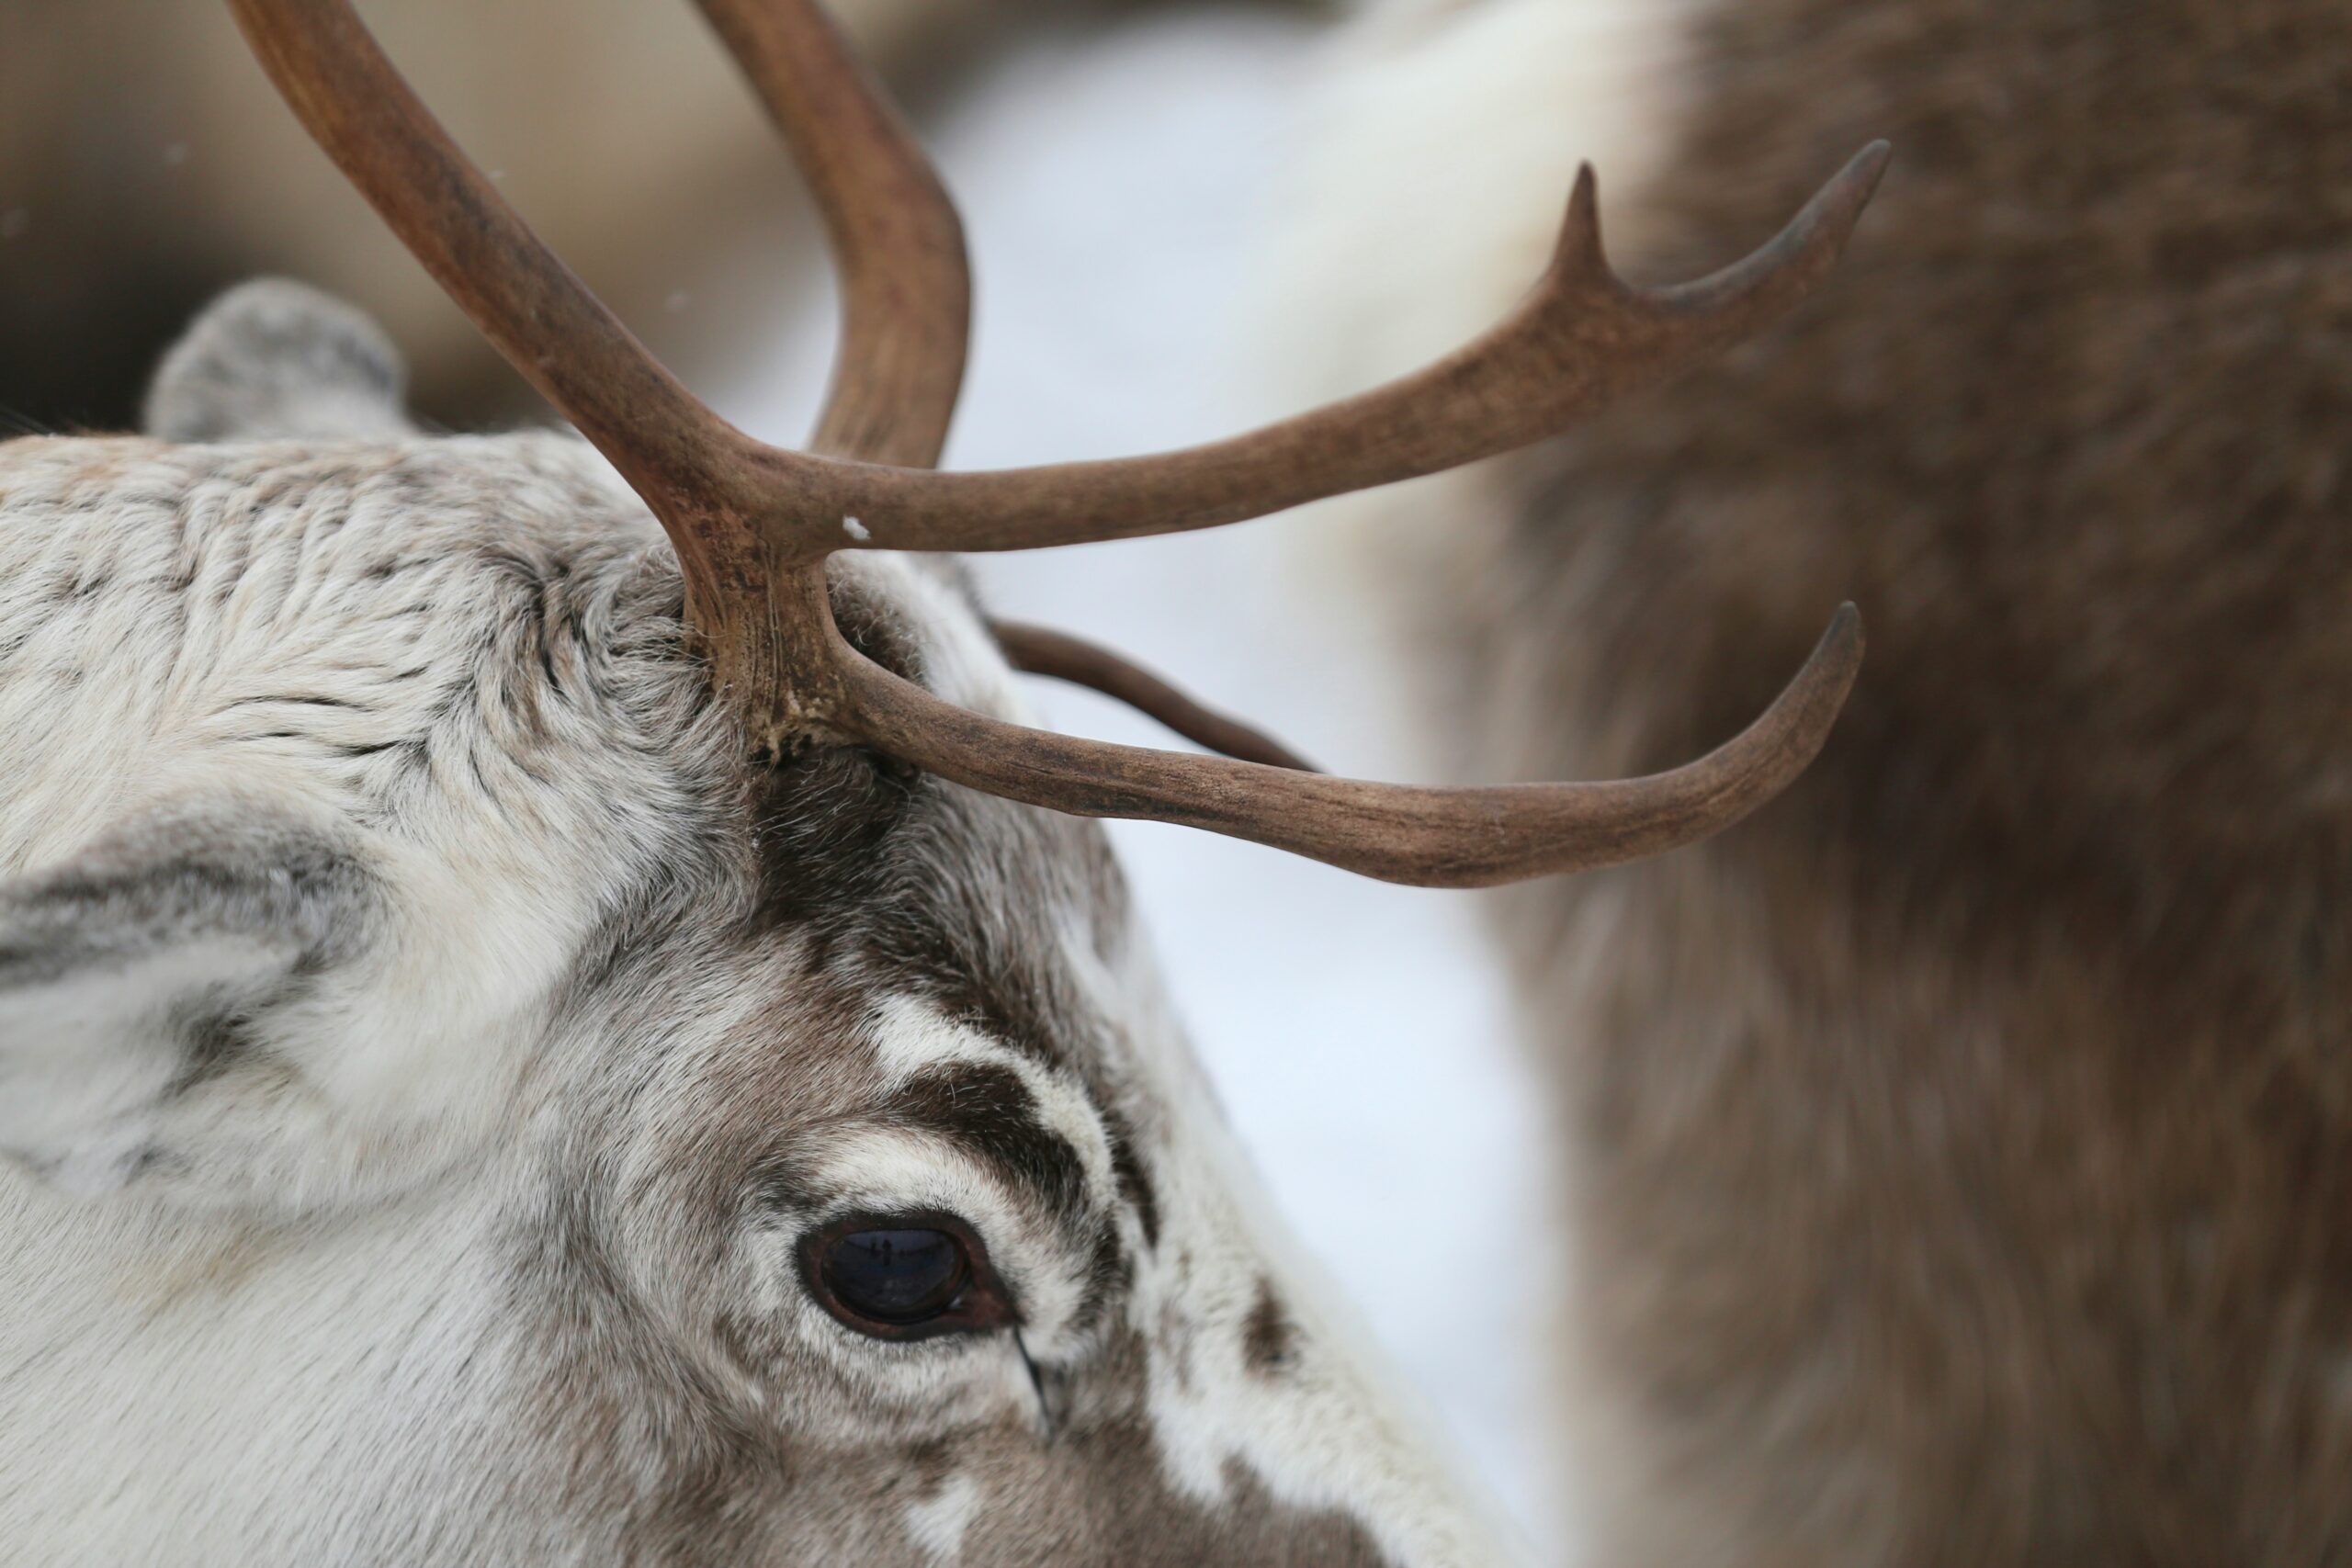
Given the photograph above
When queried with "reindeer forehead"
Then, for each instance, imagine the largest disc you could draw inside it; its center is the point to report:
(471, 648)
(458, 583)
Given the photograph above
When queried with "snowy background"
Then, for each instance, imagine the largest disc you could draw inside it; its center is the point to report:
(1118, 190)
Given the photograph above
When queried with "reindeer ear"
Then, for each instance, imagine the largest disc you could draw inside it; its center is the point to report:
(155, 961)
(273, 360)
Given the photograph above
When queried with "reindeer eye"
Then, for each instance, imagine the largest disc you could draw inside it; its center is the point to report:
(904, 1276)
(898, 1277)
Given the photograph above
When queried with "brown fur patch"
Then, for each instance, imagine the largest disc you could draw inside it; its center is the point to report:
(1963, 1142)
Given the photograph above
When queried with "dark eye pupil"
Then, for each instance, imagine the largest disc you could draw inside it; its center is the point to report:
(896, 1277)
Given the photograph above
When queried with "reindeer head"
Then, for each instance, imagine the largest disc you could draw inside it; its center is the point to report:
(530, 1041)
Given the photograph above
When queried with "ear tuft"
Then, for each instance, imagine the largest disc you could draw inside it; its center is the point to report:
(151, 963)
(276, 360)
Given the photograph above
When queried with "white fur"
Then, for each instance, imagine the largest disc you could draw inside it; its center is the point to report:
(1437, 150)
(938, 1523)
(1439, 145)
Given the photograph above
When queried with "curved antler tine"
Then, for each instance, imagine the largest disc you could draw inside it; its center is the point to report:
(898, 243)
(1041, 651)
(1581, 340)
(1431, 838)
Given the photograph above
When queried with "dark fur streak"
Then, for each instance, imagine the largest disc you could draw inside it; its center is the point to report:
(1126, 1169)
(1270, 1341)
(212, 1044)
(293, 699)
(990, 1112)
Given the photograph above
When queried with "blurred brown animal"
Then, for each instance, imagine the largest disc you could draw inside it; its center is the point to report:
(1962, 1164)
(144, 165)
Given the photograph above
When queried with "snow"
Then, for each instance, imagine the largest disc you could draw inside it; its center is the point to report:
(1117, 189)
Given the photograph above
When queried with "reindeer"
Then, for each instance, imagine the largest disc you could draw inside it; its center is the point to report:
(1961, 1152)
(553, 1012)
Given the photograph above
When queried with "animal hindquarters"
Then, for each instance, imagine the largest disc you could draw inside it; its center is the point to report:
(1956, 1147)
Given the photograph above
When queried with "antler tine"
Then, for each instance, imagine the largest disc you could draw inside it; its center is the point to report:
(1582, 339)
(1429, 838)
(898, 242)
(1041, 651)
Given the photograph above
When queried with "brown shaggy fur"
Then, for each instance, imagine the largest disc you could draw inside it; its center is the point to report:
(1964, 1145)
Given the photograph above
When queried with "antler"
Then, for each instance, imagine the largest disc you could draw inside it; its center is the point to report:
(906, 285)
(1041, 651)
(1429, 837)
(753, 523)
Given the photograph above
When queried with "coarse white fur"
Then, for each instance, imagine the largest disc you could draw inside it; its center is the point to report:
(1436, 152)
(1433, 155)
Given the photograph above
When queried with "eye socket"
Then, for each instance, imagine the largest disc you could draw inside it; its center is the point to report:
(904, 1276)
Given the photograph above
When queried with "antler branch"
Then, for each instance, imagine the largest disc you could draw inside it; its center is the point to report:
(1427, 837)
(1041, 651)
(1581, 340)
(752, 524)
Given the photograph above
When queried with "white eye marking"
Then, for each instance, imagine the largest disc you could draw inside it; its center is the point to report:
(938, 1524)
(855, 529)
